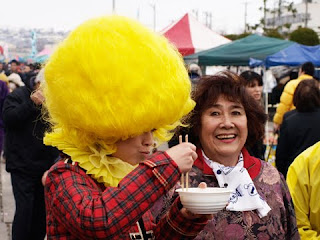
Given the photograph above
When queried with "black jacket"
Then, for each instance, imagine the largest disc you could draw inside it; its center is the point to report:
(24, 130)
(298, 132)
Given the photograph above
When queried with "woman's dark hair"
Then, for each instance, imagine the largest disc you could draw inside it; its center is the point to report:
(306, 97)
(228, 85)
(308, 68)
(248, 78)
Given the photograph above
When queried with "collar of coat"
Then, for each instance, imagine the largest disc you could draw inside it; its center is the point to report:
(251, 163)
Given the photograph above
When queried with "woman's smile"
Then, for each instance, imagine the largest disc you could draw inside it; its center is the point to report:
(226, 138)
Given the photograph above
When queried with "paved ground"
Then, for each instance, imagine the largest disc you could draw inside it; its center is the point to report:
(7, 205)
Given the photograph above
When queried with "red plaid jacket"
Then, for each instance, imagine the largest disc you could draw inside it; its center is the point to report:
(80, 208)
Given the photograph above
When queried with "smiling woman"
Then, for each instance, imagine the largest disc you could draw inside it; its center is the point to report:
(224, 122)
(214, 92)
(224, 131)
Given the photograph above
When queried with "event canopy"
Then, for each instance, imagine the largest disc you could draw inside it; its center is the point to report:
(43, 56)
(295, 55)
(239, 52)
(191, 36)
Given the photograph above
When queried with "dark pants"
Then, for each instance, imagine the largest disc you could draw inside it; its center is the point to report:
(1, 139)
(29, 221)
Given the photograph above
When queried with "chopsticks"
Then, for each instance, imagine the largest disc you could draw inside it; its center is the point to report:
(184, 177)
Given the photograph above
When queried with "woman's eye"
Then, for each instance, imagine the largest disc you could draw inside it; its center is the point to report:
(236, 113)
(214, 114)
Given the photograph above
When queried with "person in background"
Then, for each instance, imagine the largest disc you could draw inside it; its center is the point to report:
(4, 83)
(304, 185)
(27, 158)
(300, 128)
(27, 72)
(4, 78)
(13, 67)
(223, 123)
(254, 84)
(195, 73)
(105, 124)
(3, 94)
(14, 81)
(2, 68)
(286, 104)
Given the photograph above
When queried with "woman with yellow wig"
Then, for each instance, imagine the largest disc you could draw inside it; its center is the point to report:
(113, 87)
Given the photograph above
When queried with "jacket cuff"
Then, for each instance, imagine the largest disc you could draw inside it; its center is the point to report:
(182, 225)
(164, 169)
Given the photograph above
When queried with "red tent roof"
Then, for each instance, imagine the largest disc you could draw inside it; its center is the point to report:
(190, 36)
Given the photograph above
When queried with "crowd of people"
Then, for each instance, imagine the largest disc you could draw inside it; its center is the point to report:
(80, 143)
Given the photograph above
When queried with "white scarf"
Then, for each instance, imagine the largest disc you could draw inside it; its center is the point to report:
(245, 196)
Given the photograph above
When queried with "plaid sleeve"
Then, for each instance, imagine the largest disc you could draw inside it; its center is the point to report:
(178, 227)
(78, 204)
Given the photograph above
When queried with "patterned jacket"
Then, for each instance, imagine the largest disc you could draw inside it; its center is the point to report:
(80, 208)
(280, 223)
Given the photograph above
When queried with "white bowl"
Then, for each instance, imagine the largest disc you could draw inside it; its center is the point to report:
(204, 200)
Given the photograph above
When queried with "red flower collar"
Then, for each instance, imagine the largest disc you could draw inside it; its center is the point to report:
(251, 163)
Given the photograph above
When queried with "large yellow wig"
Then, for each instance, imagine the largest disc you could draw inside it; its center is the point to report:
(109, 80)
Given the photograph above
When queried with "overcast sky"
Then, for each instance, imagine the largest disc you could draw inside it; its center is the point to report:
(228, 16)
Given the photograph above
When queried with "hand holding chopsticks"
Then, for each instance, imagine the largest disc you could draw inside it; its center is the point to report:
(184, 177)
(184, 154)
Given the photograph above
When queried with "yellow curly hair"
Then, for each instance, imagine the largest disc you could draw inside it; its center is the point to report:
(112, 79)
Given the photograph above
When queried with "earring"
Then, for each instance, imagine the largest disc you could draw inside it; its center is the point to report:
(154, 145)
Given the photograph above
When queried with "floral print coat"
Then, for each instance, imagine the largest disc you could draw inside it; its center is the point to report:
(280, 223)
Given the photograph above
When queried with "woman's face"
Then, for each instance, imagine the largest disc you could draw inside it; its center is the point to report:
(255, 90)
(136, 149)
(223, 131)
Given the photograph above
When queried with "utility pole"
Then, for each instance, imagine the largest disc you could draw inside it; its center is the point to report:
(264, 15)
(138, 13)
(306, 14)
(279, 15)
(113, 6)
(245, 16)
(153, 5)
(196, 13)
(208, 19)
(274, 15)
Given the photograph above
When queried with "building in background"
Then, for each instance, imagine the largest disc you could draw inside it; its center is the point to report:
(17, 42)
(306, 15)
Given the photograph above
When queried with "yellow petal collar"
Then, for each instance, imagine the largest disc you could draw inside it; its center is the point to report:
(97, 162)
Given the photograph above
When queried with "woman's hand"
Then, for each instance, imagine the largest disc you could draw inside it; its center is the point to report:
(184, 154)
(189, 215)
